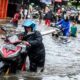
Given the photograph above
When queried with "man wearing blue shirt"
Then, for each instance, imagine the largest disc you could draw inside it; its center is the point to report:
(65, 25)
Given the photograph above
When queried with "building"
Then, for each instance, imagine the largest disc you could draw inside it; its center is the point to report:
(8, 8)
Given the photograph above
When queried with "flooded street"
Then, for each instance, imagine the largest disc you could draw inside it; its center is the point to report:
(62, 60)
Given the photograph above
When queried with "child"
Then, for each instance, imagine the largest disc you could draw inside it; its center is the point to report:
(73, 29)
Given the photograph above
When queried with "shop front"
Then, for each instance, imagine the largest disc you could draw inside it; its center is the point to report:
(8, 8)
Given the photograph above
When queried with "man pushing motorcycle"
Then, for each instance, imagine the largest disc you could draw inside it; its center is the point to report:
(36, 50)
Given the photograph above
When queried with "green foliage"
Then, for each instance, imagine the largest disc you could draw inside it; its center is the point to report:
(74, 3)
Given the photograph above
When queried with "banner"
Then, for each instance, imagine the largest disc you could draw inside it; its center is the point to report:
(46, 1)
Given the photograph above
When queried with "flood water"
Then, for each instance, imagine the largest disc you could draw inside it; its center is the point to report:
(62, 61)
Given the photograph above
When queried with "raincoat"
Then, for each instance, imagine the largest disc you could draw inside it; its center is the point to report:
(65, 26)
(36, 51)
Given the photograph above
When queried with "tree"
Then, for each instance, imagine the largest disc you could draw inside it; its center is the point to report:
(75, 2)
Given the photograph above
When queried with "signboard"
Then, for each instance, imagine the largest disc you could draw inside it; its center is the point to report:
(58, 0)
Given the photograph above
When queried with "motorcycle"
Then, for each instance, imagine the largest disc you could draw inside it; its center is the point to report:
(11, 52)
(58, 33)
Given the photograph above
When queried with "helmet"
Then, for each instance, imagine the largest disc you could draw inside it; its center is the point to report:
(29, 23)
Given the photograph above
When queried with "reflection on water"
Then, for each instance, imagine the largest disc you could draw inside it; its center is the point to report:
(11, 77)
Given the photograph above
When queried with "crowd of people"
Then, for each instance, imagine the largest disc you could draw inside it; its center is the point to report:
(36, 50)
